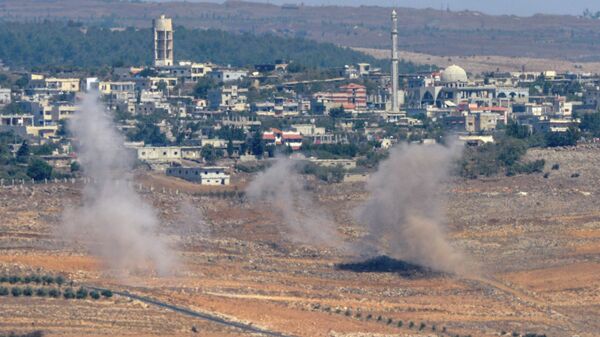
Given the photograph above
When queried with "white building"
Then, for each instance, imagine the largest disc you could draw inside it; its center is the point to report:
(188, 71)
(5, 96)
(227, 75)
(210, 175)
(228, 98)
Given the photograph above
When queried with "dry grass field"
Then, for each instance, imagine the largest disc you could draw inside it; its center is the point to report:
(535, 240)
(478, 64)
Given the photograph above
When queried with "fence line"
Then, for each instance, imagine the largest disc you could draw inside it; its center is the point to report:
(22, 184)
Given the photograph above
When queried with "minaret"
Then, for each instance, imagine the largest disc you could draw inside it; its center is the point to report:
(395, 103)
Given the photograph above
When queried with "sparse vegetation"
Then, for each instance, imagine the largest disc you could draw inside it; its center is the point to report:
(69, 293)
(94, 294)
(16, 291)
(82, 293)
(54, 293)
(28, 291)
(490, 159)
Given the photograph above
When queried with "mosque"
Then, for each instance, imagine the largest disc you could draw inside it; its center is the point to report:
(447, 89)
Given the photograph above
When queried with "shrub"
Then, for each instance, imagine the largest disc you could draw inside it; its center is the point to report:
(3, 279)
(389, 321)
(527, 168)
(81, 293)
(14, 279)
(68, 293)
(27, 279)
(546, 175)
(400, 323)
(379, 318)
(28, 291)
(348, 313)
(575, 175)
(41, 292)
(411, 324)
(36, 279)
(369, 316)
(555, 167)
(421, 326)
(16, 291)
(48, 279)
(54, 293)
(358, 315)
(38, 169)
(94, 294)
(59, 280)
(3, 291)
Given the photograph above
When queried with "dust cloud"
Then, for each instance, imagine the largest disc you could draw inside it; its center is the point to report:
(404, 214)
(112, 220)
(282, 187)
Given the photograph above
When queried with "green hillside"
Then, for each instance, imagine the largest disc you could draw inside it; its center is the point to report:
(51, 44)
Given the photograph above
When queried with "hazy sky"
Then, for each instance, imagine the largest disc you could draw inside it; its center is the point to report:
(516, 7)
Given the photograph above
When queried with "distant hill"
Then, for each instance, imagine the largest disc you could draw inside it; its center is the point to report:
(425, 31)
(49, 43)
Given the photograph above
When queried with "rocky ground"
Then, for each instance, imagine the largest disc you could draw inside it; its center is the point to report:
(535, 242)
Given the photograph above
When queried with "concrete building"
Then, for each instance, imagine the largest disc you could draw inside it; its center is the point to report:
(62, 111)
(5, 96)
(481, 121)
(228, 98)
(110, 87)
(227, 75)
(350, 97)
(212, 175)
(159, 154)
(309, 129)
(163, 42)
(53, 85)
(347, 164)
(168, 154)
(475, 140)
(286, 138)
(187, 71)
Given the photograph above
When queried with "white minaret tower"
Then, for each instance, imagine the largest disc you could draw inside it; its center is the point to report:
(395, 103)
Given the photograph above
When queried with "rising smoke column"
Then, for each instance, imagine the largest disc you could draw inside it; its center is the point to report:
(113, 221)
(283, 188)
(405, 212)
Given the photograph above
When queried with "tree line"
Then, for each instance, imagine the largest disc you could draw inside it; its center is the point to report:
(72, 45)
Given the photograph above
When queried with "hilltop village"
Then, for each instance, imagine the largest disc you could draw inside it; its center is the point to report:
(181, 116)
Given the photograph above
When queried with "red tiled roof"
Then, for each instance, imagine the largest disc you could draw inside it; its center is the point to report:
(292, 136)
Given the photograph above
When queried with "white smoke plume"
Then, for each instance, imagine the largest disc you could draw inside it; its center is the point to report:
(284, 189)
(112, 221)
(405, 212)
